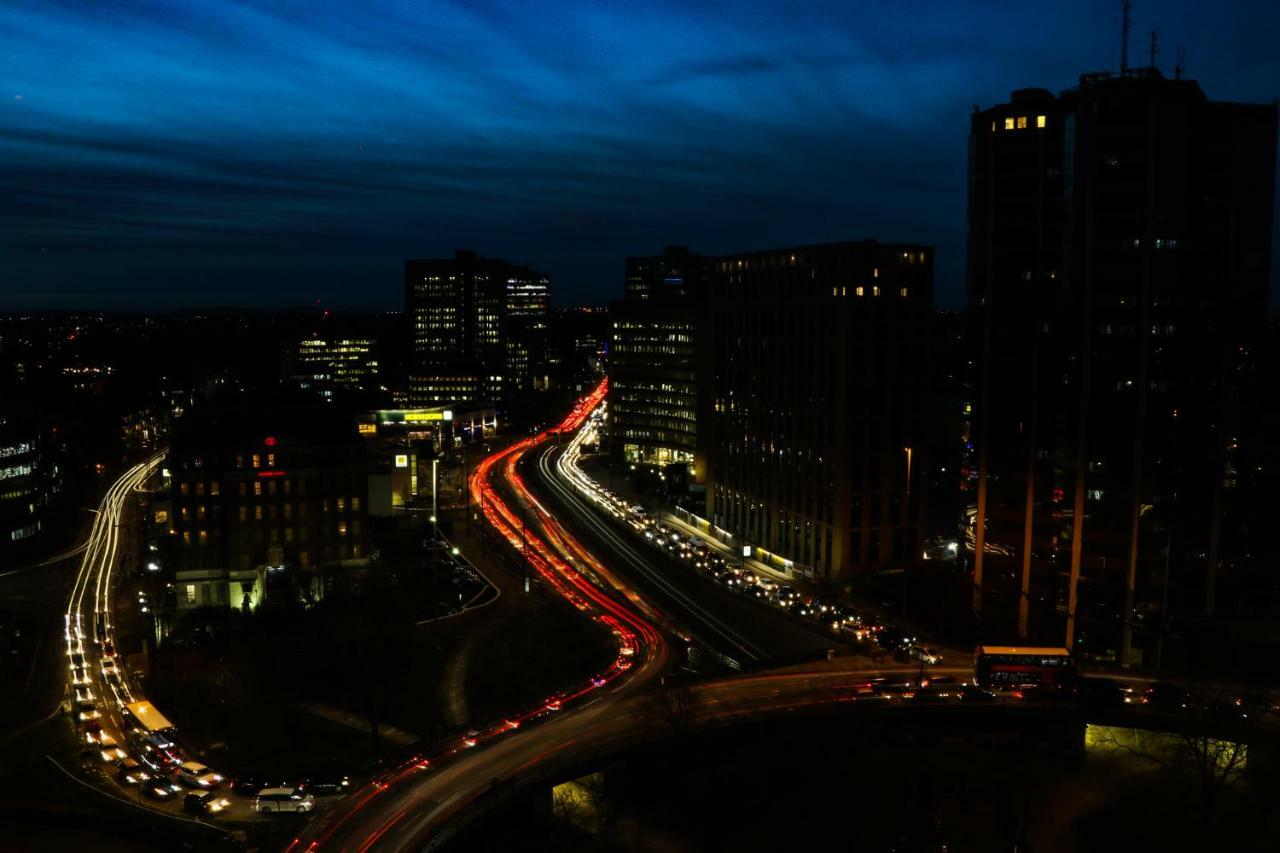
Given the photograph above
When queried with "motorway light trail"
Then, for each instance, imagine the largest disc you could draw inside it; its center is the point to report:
(642, 653)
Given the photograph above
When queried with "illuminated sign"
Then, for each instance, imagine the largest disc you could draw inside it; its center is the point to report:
(273, 473)
(270, 441)
(367, 429)
(413, 416)
(402, 460)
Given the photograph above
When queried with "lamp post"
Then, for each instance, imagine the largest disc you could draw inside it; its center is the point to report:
(435, 527)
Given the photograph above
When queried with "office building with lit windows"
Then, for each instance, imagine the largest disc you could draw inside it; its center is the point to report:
(264, 489)
(1118, 259)
(30, 480)
(652, 359)
(328, 366)
(816, 396)
(477, 328)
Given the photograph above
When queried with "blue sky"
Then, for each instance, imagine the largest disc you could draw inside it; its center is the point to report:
(166, 154)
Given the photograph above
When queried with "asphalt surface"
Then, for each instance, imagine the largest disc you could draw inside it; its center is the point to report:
(746, 631)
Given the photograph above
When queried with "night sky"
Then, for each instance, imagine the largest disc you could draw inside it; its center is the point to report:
(168, 154)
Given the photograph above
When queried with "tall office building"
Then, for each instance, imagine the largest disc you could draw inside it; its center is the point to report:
(676, 273)
(1119, 246)
(816, 390)
(329, 365)
(653, 389)
(477, 328)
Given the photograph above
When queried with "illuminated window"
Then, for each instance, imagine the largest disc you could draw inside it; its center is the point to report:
(1022, 122)
(342, 528)
(342, 504)
(1008, 123)
(191, 593)
(215, 488)
(1039, 121)
(185, 513)
(271, 460)
(257, 488)
(257, 461)
(875, 291)
(186, 537)
(200, 489)
(257, 513)
(993, 126)
(355, 504)
(859, 290)
(875, 272)
(902, 292)
(204, 537)
(184, 489)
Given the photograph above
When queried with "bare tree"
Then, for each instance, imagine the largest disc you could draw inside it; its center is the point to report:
(1208, 756)
(669, 706)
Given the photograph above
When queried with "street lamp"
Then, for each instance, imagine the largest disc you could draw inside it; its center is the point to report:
(435, 530)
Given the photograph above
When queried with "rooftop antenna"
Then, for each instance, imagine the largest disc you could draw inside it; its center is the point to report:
(1179, 63)
(1154, 50)
(1125, 8)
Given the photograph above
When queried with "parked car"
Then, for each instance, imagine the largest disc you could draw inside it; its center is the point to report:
(325, 786)
(280, 800)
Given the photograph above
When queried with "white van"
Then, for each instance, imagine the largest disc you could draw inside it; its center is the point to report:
(283, 800)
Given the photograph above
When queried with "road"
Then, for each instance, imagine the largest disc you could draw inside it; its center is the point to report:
(739, 630)
(415, 804)
(98, 690)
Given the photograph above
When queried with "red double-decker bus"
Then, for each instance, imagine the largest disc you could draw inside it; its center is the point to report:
(1017, 666)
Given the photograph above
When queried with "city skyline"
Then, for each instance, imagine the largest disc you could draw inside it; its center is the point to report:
(188, 156)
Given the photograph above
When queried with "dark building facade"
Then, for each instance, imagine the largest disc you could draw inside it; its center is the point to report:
(653, 387)
(477, 328)
(1118, 256)
(255, 491)
(816, 388)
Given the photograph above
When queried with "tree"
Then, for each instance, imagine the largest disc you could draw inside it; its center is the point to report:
(669, 706)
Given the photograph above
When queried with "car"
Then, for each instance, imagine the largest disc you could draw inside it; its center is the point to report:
(554, 703)
(130, 772)
(1094, 692)
(160, 789)
(974, 693)
(77, 660)
(113, 754)
(249, 786)
(1163, 696)
(86, 711)
(109, 667)
(925, 654)
(196, 775)
(108, 649)
(204, 802)
(79, 676)
(283, 800)
(325, 786)
(598, 681)
(470, 739)
(84, 694)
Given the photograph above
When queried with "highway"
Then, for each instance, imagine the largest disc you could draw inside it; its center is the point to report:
(738, 630)
(401, 809)
(420, 802)
(99, 689)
